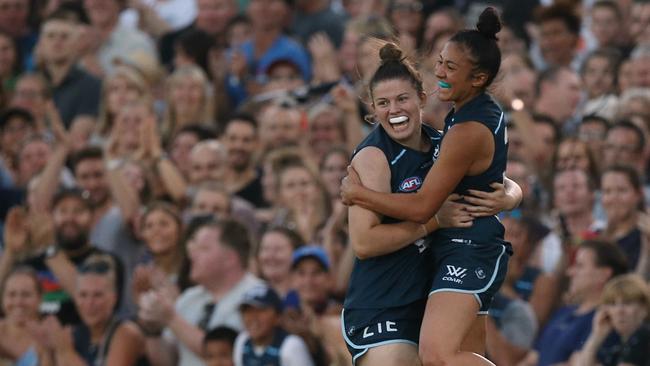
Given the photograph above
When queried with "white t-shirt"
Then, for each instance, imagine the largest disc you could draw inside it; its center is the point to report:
(191, 307)
(176, 13)
(293, 351)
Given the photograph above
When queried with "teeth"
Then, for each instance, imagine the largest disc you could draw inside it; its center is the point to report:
(399, 119)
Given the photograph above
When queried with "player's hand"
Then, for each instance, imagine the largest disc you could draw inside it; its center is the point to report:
(350, 186)
(487, 203)
(453, 214)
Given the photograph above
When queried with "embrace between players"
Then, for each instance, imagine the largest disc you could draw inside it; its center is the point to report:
(430, 253)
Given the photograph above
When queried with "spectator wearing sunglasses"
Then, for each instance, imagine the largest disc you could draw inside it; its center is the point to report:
(57, 266)
(102, 338)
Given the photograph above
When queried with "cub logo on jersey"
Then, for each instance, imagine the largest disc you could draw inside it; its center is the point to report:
(410, 184)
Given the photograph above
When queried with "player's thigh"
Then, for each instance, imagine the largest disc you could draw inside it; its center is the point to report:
(395, 354)
(474, 341)
(448, 319)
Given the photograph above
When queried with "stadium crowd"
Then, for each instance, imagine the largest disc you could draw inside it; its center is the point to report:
(170, 174)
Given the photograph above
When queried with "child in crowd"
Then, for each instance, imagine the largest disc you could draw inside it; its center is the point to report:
(218, 346)
(264, 342)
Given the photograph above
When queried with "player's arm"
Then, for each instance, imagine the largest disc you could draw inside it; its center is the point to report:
(504, 197)
(370, 238)
(461, 148)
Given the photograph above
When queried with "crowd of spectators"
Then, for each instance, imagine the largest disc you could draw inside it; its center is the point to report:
(170, 172)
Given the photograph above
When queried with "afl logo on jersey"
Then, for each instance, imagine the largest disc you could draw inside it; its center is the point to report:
(410, 184)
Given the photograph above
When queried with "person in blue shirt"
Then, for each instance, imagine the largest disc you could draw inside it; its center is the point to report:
(470, 262)
(391, 276)
(596, 263)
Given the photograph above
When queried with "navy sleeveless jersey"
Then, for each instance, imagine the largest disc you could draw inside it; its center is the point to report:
(482, 109)
(271, 355)
(403, 276)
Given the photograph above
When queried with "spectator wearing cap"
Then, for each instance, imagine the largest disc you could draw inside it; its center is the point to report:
(267, 45)
(310, 271)
(310, 311)
(102, 338)
(218, 253)
(264, 341)
(282, 75)
(74, 91)
(61, 246)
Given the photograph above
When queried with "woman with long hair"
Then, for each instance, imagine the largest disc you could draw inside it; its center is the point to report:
(122, 86)
(21, 298)
(189, 100)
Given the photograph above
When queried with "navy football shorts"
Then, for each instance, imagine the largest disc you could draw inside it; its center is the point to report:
(364, 329)
(472, 268)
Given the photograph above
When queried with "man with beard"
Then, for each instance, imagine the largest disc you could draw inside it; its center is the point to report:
(111, 203)
(57, 264)
(242, 178)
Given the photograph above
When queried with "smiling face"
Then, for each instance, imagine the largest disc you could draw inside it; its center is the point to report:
(456, 79)
(187, 95)
(20, 298)
(275, 256)
(398, 106)
(620, 198)
(120, 91)
(95, 298)
(259, 322)
(297, 187)
(160, 232)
